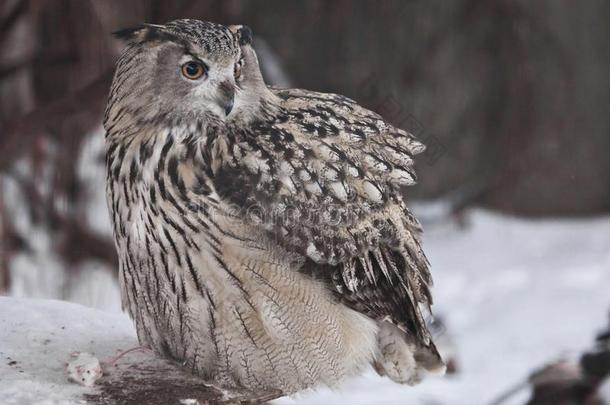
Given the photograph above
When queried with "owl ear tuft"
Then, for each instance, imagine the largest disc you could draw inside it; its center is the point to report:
(141, 33)
(243, 33)
(128, 34)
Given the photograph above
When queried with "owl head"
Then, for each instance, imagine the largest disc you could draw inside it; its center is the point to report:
(186, 70)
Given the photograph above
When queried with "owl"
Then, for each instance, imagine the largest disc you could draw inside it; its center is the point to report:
(263, 239)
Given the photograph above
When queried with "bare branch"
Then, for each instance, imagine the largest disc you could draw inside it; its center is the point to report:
(13, 16)
(18, 134)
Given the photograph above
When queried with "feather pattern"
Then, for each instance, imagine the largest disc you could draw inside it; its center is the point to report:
(262, 235)
(324, 175)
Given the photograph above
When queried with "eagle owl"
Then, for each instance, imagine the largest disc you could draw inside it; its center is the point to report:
(262, 236)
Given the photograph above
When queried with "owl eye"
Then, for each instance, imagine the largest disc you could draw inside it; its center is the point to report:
(194, 70)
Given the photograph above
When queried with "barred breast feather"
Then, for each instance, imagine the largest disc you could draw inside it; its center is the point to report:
(323, 176)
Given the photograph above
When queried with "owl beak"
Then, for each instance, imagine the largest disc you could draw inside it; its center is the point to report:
(226, 97)
(228, 107)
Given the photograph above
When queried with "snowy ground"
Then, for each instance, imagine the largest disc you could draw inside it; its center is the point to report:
(37, 338)
(514, 293)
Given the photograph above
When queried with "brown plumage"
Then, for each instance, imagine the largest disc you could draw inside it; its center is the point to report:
(263, 238)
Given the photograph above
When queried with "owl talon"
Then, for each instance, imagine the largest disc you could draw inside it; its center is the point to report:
(396, 357)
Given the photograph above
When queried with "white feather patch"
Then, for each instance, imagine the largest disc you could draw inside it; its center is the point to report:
(402, 177)
(329, 174)
(288, 183)
(313, 252)
(327, 153)
(338, 189)
(313, 188)
(373, 162)
(371, 192)
(256, 164)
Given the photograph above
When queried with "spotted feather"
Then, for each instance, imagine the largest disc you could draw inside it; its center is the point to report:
(327, 174)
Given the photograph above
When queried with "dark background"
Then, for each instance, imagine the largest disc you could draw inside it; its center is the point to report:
(512, 97)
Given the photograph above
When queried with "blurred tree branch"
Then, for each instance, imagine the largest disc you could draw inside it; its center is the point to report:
(48, 119)
(13, 15)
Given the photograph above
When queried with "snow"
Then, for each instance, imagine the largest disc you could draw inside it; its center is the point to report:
(37, 338)
(514, 294)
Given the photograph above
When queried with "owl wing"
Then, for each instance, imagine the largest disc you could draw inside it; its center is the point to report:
(322, 175)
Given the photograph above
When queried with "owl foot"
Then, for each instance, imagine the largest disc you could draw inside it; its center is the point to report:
(396, 357)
